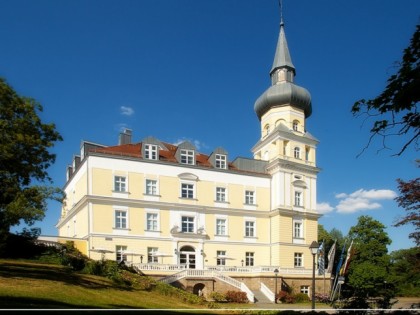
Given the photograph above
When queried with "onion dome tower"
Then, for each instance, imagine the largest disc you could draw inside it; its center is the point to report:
(283, 91)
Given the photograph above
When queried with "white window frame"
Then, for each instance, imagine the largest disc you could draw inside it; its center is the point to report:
(121, 221)
(296, 153)
(298, 200)
(221, 258)
(189, 222)
(221, 161)
(187, 157)
(120, 185)
(250, 227)
(298, 260)
(151, 259)
(187, 190)
(151, 187)
(151, 151)
(249, 197)
(154, 226)
(221, 229)
(249, 259)
(119, 253)
(221, 195)
(297, 229)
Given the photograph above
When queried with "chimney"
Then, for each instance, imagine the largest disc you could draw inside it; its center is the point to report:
(125, 136)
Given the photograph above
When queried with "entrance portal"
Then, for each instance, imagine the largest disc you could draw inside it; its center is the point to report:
(187, 257)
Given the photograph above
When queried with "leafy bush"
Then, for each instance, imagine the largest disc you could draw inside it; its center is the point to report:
(301, 298)
(72, 257)
(322, 298)
(236, 297)
(218, 297)
(285, 297)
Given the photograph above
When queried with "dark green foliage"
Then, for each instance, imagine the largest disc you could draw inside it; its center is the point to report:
(395, 110)
(405, 272)
(218, 297)
(301, 298)
(236, 297)
(24, 159)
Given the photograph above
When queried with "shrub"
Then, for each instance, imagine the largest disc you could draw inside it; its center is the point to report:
(301, 298)
(236, 297)
(218, 297)
(322, 298)
(285, 297)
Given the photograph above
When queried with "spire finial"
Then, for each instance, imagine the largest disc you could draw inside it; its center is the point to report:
(281, 12)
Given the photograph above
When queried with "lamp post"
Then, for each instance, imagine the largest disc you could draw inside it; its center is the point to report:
(276, 271)
(314, 249)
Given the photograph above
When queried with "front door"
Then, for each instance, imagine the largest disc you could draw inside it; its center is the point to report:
(187, 257)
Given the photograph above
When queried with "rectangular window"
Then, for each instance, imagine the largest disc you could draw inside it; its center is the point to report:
(298, 260)
(187, 224)
(120, 183)
(304, 289)
(151, 152)
(151, 251)
(151, 187)
(187, 190)
(220, 194)
(120, 255)
(298, 198)
(220, 226)
(297, 230)
(249, 228)
(249, 197)
(221, 258)
(187, 157)
(249, 259)
(220, 161)
(120, 219)
(152, 221)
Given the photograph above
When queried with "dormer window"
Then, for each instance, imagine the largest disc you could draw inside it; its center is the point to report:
(151, 152)
(187, 157)
(220, 160)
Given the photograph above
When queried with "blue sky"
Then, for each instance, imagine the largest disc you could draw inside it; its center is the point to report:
(192, 69)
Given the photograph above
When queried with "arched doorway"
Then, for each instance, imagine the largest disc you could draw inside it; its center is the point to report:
(198, 289)
(187, 256)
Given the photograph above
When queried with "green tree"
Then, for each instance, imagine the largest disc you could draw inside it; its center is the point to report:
(395, 111)
(24, 159)
(405, 271)
(369, 263)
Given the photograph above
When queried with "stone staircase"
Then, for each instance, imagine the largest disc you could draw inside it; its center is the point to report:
(260, 297)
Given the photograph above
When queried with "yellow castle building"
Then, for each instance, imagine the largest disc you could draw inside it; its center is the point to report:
(206, 222)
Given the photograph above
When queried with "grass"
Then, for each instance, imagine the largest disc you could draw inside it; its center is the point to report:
(34, 285)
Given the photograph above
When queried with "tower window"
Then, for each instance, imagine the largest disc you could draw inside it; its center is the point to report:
(296, 153)
(295, 125)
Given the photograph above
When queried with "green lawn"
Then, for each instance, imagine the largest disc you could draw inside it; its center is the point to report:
(34, 285)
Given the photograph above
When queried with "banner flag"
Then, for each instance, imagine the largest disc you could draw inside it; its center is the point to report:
(340, 262)
(321, 259)
(331, 256)
(345, 267)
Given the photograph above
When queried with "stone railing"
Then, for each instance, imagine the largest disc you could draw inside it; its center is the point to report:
(267, 292)
(200, 273)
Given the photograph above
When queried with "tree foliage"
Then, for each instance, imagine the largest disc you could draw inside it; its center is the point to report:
(409, 199)
(396, 108)
(405, 271)
(369, 264)
(25, 157)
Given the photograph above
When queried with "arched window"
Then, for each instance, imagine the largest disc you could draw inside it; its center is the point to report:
(295, 125)
(297, 153)
(267, 129)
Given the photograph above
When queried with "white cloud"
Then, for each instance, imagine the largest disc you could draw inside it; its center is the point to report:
(126, 111)
(361, 200)
(324, 207)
